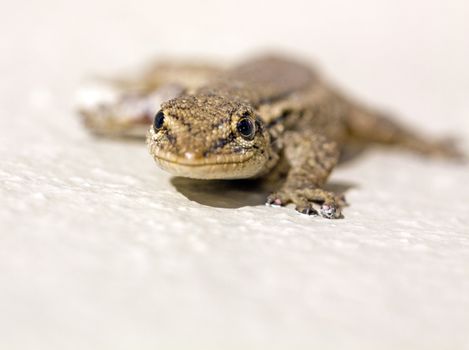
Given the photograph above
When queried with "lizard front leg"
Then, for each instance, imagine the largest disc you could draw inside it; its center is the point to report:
(311, 157)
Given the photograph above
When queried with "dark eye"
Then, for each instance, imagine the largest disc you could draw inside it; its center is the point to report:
(246, 128)
(159, 121)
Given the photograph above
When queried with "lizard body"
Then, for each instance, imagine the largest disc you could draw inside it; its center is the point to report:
(251, 120)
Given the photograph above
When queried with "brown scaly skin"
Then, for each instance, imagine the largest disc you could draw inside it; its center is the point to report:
(244, 122)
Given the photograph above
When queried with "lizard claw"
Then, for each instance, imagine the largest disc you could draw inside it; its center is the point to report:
(274, 202)
(329, 211)
(310, 202)
(277, 199)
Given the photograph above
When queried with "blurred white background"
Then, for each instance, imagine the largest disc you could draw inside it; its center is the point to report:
(99, 249)
(371, 47)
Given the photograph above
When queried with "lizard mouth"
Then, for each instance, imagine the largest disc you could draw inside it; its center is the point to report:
(223, 166)
(214, 167)
(191, 161)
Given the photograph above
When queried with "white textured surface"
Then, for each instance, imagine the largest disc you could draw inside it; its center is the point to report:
(100, 250)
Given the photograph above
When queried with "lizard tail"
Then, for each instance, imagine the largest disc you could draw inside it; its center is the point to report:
(374, 127)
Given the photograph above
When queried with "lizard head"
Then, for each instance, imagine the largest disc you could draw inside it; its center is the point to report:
(209, 137)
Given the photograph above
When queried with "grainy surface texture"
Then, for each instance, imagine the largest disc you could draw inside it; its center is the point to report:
(101, 250)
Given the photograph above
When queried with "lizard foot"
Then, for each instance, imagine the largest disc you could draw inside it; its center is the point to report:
(310, 201)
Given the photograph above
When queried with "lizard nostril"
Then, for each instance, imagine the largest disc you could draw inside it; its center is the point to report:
(189, 155)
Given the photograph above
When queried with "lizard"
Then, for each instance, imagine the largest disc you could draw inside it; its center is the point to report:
(265, 117)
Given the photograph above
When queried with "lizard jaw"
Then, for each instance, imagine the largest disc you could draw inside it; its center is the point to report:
(215, 167)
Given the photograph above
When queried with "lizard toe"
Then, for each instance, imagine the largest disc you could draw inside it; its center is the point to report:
(326, 204)
(330, 211)
(306, 209)
(277, 199)
(310, 202)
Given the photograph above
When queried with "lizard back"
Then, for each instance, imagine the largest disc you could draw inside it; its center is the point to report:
(263, 80)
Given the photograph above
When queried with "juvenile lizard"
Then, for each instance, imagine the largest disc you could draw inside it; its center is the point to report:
(269, 115)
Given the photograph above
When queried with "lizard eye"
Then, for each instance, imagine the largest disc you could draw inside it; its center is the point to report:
(159, 121)
(246, 128)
